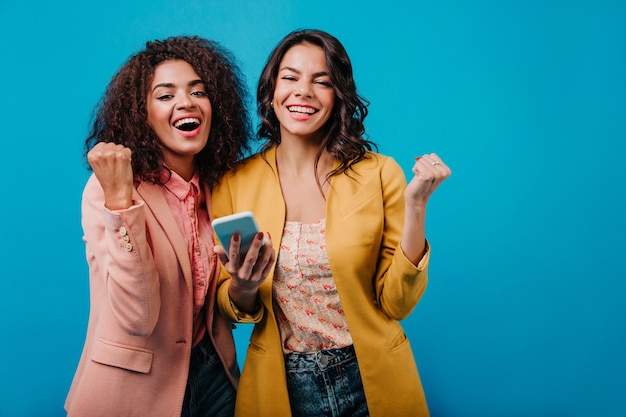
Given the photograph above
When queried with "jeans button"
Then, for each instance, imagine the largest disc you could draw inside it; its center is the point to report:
(324, 360)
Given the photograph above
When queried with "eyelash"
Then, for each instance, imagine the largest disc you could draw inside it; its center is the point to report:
(323, 83)
(193, 93)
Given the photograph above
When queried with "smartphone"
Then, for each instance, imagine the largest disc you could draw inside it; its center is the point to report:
(243, 223)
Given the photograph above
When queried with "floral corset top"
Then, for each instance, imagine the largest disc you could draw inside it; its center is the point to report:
(309, 312)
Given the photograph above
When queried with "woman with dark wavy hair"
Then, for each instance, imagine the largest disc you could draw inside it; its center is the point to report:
(352, 253)
(172, 121)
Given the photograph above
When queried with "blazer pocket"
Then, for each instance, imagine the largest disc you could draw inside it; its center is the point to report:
(122, 356)
(255, 347)
(399, 342)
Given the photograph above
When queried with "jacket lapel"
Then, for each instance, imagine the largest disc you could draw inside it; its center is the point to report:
(273, 198)
(152, 195)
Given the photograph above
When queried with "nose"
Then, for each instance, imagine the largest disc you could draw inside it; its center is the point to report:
(303, 88)
(185, 102)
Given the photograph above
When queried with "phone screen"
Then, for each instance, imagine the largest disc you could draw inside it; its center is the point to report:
(243, 223)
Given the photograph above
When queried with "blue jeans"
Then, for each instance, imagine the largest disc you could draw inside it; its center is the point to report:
(325, 383)
(209, 391)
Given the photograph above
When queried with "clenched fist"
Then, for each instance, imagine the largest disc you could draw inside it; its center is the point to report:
(430, 172)
(111, 165)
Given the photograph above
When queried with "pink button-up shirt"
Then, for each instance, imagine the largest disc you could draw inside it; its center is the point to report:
(188, 204)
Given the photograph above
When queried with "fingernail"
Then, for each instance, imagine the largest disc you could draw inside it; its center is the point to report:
(268, 235)
(259, 235)
(236, 237)
(417, 158)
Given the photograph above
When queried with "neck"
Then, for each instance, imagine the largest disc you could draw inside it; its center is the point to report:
(300, 159)
(185, 170)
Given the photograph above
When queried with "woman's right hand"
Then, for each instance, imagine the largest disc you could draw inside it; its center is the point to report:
(111, 163)
(247, 274)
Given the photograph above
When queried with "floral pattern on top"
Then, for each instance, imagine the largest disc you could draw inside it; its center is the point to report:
(306, 301)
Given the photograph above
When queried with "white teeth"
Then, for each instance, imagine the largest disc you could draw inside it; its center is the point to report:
(187, 120)
(300, 109)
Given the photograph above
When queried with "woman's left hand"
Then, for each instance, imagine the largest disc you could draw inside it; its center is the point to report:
(430, 171)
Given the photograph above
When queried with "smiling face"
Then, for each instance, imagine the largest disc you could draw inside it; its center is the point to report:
(179, 112)
(303, 96)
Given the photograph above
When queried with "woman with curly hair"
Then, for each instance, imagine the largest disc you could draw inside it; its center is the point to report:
(352, 253)
(171, 122)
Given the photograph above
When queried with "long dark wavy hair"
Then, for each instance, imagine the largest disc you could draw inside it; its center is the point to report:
(121, 115)
(344, 133)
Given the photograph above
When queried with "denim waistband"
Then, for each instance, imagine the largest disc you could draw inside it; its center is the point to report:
(320, 359)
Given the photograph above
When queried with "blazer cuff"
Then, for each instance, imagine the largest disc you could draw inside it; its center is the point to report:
(422, 264)
(245, 317)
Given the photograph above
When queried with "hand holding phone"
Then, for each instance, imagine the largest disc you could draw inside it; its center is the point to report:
(242, 223)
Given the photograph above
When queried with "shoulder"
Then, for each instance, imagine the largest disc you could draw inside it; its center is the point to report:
(248, 172)
(374, 162)
(252, 165)
(254, 162)
(259, 158)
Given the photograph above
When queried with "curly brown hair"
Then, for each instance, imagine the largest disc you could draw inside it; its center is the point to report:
(344, 133)
(121, 115)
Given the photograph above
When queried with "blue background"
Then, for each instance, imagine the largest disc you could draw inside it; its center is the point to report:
(525, 100)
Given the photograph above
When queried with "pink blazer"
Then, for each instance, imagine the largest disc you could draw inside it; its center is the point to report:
(136, 356)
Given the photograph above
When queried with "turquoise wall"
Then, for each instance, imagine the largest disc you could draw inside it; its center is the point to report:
(525, 100)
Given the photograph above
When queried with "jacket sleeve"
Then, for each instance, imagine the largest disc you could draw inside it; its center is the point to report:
(121, 264)
(222, 205)
(399, 284)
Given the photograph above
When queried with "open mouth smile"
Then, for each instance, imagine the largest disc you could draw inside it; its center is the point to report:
(187, 124)
(302, 110)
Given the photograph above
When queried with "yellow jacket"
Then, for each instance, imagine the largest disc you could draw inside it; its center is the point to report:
(377, 284)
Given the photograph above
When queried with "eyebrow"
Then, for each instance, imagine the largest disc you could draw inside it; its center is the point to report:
(317, 74)
(170, 85)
